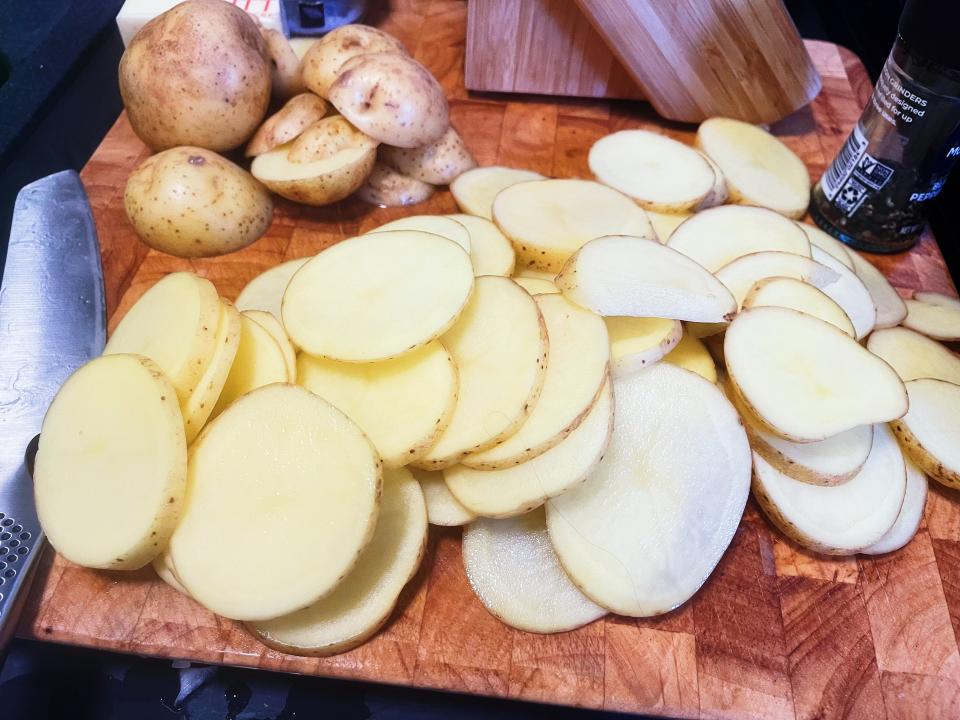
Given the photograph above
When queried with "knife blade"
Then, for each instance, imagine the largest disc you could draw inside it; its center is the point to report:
(52, 321)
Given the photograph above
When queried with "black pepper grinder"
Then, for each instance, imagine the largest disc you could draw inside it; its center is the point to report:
(874, 195)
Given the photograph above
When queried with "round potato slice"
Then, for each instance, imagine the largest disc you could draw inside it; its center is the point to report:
(270, 323)
(402, 404)
(798, 295)
(537, 286)
(259, 361)
(514, 571)
(111, 470)
(299, 113)
(646, 529)
(914, 355)
(691, 354)
(930, 431)
(657, 171)
(637, 342)
(386, 187)
(475, 189)
(849, 293)
(436, 224)
(363, 601)
(377, 296)
(719, 193)
(665, 223)
(890, 307)
(265, 291)
(827, 243)
(279, 463)
(321, 63)
(442, 507)
(911, 514)
(740, 275)
(490, 251)
(438, 163)
(174, 323)
(935, 315)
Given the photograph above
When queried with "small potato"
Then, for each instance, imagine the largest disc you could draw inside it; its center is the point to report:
(387, 187)
(191, 202)
(392, 98)
(286, 80)
(322, 62)
(439, 163)
(300, 112)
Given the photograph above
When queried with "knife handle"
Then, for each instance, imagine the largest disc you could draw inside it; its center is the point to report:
(21, 543)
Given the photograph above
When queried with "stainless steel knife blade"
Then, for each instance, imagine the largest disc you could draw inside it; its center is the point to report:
(52, 321)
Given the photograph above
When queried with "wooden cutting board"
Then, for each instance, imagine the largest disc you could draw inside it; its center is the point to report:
(777, 632)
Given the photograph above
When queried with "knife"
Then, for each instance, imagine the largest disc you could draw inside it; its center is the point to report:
(52, 321)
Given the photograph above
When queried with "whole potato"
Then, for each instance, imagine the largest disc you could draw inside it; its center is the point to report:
(190, 202)
(196, 75)
(323, 60)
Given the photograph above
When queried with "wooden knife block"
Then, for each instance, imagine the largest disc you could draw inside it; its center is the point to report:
(691, 59)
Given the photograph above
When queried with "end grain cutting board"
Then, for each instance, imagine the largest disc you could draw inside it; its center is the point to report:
(777, 632)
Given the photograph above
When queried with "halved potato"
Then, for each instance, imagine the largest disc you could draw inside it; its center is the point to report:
(691, 354)
(658, 172)
(849, 293)
(111, 471)
(934, 315)
(437, 163)
(515, 573)
(719, 193)
(279, 463)
(665, 223)
(890, 307)
(436, 224)
(299, 113)
(911, 513)
(577, 366)
(930, 431)
(401, 404)
(270, 323)
(490, 251)
(720, 235)
(797, 295)
(475, 189)
(623, 275)
(806, 379)
(285, 77)
(740, 275)
(386, 187)
(377, 296)
(259, 361)
(537, 286)
(164, 569)
(840, 519)
(265, 291)
(322, 62)
(363, 601)
(636, 342)
(760, 170)
(443, 508)
(646, 529)
(549, 220)
(914, 355)
(827, 243)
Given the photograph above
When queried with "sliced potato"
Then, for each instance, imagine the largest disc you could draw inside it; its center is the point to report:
(720, 235)
(934, 315)
(401, 404)
(164, 569)
(386, 187)
(719, 193)
(537, 286)
(759, 169)
(665, 223)
(534, 274)
(259, 361)
(849, 293)
(490, 251)
(323, 60)
(930, 431)
(806, 379)
(827, 243)
(289, 464)
(436, 224)
(797, 295)
(841, 519)
(646, 529)
(475, 189)
(890, 307)
(691, 354)
(657, 171)
(911, 513)
(364, 600)
(914, 355)
(549, 220)
(299, 113)
(443, 508)
(270, 323)
(740, 275)
(521, 488)
(515, 573)
(265, 291)
(437, 163)
(111, 471)
(637, 342)
(623, 275)
(377, 296)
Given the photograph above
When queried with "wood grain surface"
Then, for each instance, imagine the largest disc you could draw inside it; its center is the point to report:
(777, 631)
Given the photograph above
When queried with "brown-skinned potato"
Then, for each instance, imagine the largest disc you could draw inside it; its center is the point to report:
(438, 163)
(322, 62)
(286, 80)
(390, 188)
(288, 123)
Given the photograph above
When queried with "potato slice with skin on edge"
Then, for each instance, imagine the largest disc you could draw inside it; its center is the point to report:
(806, 379)
(443, 508)
(111, 469)
(797, 295)
(301, 470)
(740, 275)
(719, 194)
(537, 286)
(890, 307)
(665, 223)
(691, 354)
(636, 342)
(849, 293)
(437, 163)
(549, 220)
(490, 251)
(499, 346)
(649, 525)
(577, 367)
(299, 113)
(401, 404)
(936, 316)
(717, 236)
(321, 63)
(386, 187)
(930, 431)
(623, 275)
(841, 519)
(827, 243)
(475, 189)
(259, 361)
(911, 514)
(265, 291)
(521, 488)
(364, 600)
(436, 224)
(270, 323)
(174, 323)
(377, 296)
(914, 355)
(658, 172)
(514, 572)
(165, 571)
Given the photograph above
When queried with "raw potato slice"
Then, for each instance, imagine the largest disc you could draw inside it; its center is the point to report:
(691, 354)
(827, 243)
(436, 224)
(911, 513)
(174, 323)
(259, 361)
(363, 602)
(805, 379)
(438, 163)
(265, 291)
(890, 307)
(490, 251)
(279, 463)
(842, 519)
(475, 189)
(719, 193)
(914, 355)
(797, 295)
(442, 507)
(665, 223)
(637, 342)
(521, 488)
(111, 470)
(759, 169)
(549, 220)
(934, 315)
(622, 275)
(401, 404)
(515, 573)
(164, 569)
(646, 529)
(658, 172)
(534, 274)
(377, 296)
(930, 431)
(576, 369)
(743, 273)
(499, 346)
(720, 235)
(537, 286)
(849, 293)
(270, 323)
